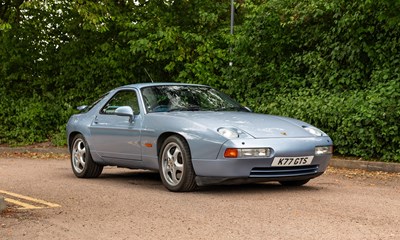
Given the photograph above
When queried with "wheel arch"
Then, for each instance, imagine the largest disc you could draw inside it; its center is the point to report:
(164, 136)
(71, 137)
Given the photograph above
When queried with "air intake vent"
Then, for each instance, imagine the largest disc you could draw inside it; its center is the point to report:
(273, 172)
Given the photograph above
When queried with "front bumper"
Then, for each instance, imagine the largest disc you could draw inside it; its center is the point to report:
(259, 169)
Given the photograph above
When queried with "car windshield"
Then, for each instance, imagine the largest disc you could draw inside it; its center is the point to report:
(187, 98)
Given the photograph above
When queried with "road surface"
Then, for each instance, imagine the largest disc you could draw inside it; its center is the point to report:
(133, 204)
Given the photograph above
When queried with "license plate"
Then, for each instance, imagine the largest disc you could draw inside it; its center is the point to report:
(291, 161)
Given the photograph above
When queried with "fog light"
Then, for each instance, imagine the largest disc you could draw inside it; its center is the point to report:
(323, 150)
(254, 152)
(247, 152)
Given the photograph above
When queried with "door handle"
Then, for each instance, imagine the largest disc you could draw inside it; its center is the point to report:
(95, 121)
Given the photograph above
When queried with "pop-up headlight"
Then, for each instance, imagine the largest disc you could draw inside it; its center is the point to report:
(228, 132)
(314, 131)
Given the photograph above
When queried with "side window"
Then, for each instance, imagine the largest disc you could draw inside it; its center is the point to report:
(121, 98)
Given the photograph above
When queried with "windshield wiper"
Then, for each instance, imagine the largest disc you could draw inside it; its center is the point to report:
(189, 108)
(232, 108)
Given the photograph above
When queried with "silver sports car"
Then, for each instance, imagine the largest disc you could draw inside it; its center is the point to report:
(193, 135)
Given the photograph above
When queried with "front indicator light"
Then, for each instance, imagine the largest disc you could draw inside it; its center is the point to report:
(323, 150)
(247, 152)
(231, 153)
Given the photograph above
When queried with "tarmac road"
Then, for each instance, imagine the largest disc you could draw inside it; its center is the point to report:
(133, 204)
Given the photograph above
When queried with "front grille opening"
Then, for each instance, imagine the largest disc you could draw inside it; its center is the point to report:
(272, 172)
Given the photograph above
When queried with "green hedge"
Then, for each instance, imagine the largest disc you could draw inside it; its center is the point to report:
(332, 63)
(361, 123)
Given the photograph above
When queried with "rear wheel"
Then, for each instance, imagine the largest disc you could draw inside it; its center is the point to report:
(176, 169)
(295, 183)
(82, 163)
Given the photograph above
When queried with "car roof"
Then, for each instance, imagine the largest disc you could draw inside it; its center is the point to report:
(142, 85)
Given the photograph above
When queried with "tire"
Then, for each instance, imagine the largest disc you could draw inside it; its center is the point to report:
(82, 162)
(175, 162)
(296, 183)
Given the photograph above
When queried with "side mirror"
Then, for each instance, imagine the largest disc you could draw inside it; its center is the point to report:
(248, 109)
(125, 111)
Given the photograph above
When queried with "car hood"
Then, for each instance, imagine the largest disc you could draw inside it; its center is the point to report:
(256, 125)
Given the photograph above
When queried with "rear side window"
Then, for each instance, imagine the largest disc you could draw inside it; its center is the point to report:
(121, 98)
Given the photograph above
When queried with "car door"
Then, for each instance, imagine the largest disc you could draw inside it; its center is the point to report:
(117, 138)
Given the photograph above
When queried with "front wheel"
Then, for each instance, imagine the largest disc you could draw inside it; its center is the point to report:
(295, 183)
(82, 163)
(176, 169)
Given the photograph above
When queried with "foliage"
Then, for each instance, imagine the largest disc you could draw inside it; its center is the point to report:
(362, 123)
(332, 63)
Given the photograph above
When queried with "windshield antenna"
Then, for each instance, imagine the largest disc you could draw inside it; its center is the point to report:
(148, 75)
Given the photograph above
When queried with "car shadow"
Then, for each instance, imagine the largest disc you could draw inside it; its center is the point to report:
(136, 177)
(152, 178)
(255, 187)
